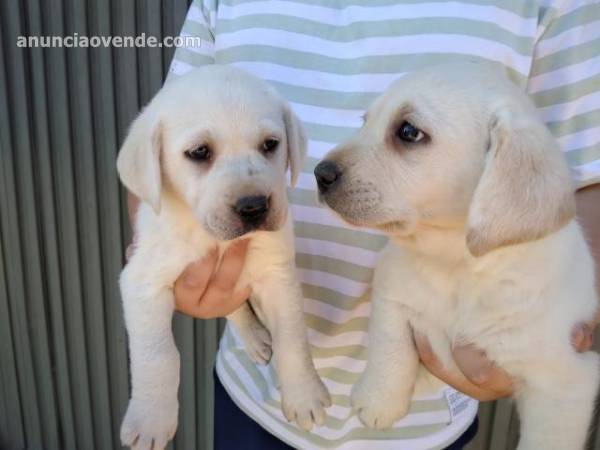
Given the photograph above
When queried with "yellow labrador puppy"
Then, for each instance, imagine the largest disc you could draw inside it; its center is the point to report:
(454, 164)
(208, 157)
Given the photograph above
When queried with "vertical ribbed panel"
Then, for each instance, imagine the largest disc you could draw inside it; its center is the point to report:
(63, 228)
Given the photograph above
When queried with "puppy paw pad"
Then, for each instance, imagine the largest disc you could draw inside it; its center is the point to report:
(305, 404)
(149, 425)
(376, 410)
(257, 342)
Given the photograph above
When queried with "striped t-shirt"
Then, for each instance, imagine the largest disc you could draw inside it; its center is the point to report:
(330, 59)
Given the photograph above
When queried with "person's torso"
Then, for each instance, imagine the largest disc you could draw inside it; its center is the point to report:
(330, 59)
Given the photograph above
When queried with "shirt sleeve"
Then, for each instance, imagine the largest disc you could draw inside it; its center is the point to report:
(197, 39)
(564, 82)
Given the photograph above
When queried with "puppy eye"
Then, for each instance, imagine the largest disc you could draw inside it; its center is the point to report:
(269, 145)
(407, 132)
(199, 154)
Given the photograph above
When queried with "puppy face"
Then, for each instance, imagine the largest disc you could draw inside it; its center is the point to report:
(417, 157)
(225, 154)
(451, 146)
(219, 140)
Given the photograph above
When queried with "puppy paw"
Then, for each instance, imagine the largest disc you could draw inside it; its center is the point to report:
(305, 402)
(257, 342)
(376, 406)
(149, 425)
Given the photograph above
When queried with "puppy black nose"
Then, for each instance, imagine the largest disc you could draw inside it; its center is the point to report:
(326, 173)
(252, 209)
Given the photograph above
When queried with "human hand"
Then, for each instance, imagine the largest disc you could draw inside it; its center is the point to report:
(479, 377)
(205, 289)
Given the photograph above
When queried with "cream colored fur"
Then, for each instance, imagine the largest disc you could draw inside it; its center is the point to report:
(186, 211)
(484, 248)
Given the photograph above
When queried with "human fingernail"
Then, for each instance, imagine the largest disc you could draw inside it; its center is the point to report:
(578, 337)
(481, 377)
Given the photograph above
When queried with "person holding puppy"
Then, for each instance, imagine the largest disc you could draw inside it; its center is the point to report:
(330, 60)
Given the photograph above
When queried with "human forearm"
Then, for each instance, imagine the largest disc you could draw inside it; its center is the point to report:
(588, 212)
(132, 206)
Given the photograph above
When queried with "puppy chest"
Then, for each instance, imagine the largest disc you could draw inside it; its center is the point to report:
(485, 311)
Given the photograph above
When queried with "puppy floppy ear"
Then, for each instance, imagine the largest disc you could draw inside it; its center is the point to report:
(138, 163)
(525, 191)
(296, 143)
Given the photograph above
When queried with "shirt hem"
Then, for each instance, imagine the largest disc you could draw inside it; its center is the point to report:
(242, 404)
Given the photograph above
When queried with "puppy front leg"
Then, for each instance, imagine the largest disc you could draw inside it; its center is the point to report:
(383, 393)
(151, 417)
(304, 395)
